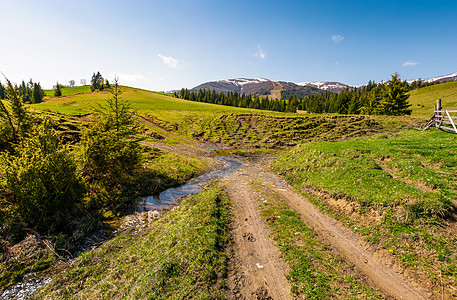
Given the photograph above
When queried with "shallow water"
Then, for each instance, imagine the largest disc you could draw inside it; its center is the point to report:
(193, 186)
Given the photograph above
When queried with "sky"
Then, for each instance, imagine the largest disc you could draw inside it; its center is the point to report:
(171, 44)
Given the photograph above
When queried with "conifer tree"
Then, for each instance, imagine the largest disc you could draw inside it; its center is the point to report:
(395, 98)
(38, 93)
(57, 90)
(14, 116)
(2, 91)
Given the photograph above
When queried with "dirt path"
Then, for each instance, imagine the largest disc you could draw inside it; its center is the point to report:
(254, 247)
(255, 271)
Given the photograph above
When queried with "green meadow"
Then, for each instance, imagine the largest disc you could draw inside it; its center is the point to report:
(423, 100)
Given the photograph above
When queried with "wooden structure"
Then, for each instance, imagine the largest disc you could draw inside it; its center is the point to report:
(442, 118)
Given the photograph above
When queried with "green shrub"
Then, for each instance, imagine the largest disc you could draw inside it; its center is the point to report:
(110, 165)
(42, 176)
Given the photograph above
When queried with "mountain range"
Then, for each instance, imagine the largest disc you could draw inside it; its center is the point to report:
(282, 89)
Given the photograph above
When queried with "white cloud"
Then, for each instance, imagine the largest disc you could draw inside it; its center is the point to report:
(337, 38)
(409, 64)
(169, 61)
(130, 78)
(260, 53)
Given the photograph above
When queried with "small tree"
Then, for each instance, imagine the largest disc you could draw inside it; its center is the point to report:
(58, 90)
(395, 99)
(14, 116)
(83, 82)
(118, 113)
(71, 83)
(111, 159)
(2, 91)
(97, 81)
(38, 93)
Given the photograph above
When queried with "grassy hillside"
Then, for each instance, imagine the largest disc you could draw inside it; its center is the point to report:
(231, 126)
(398, 192)
(180, 256)
(424, 99)
(70, 91)
(79, 100)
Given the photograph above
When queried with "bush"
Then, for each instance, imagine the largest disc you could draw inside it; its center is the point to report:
(43, 178)
(110, 165)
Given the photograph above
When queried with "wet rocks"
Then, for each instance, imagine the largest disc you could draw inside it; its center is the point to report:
(22, 290)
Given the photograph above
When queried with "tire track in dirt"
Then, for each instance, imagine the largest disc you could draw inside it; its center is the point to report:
(347, 244)
(255, 268)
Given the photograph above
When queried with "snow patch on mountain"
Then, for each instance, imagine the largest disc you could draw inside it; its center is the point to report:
(445, 77)
(324, 85)
(452, 76)
(244, 81)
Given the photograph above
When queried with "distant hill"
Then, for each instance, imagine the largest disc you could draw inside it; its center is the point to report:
(274, 89)
(282, 89)
(440, 79)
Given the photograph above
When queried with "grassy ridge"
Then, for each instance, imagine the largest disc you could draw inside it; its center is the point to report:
(397, 192)
(423, 100)
(79, 100)
(180, 257)
(316, 272)
(231, 126)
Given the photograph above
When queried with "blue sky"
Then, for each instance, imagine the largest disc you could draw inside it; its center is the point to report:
(164, 45)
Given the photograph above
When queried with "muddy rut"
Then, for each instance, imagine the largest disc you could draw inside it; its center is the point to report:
(256, 270)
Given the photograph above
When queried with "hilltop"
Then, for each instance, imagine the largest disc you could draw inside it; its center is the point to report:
(423, 100)
(274, 89)
(283, 89)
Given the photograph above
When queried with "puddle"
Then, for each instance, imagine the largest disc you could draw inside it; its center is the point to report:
(193, 186)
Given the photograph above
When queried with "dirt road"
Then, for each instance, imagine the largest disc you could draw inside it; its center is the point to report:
(257, 271)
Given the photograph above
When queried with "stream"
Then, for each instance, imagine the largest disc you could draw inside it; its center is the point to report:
(193, 186)
(30, 284)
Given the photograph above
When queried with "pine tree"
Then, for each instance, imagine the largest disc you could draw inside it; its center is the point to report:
(96, 81)
(111, 157)
(14, 115)
(38, 93)
(395, 98)
(2, 91)
(58, 90)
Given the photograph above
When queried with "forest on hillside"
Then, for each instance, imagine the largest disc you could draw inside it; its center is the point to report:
(389, 98)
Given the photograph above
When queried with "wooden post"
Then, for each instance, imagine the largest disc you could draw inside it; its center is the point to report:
(438, 112)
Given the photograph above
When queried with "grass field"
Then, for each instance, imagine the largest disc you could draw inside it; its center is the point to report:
(316, 271)
(67, 91)
(423, 100)
(231, 126)
(180, 256)
(398, 192)
(79, 100)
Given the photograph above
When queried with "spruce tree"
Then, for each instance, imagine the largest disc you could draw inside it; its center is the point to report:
(38, 93)
(57, 90)
(395, 99)
(2, 91)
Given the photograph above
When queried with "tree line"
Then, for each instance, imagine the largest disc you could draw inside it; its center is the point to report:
(30, 92)
(238, 100)
(389, 98)
(386, 98)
